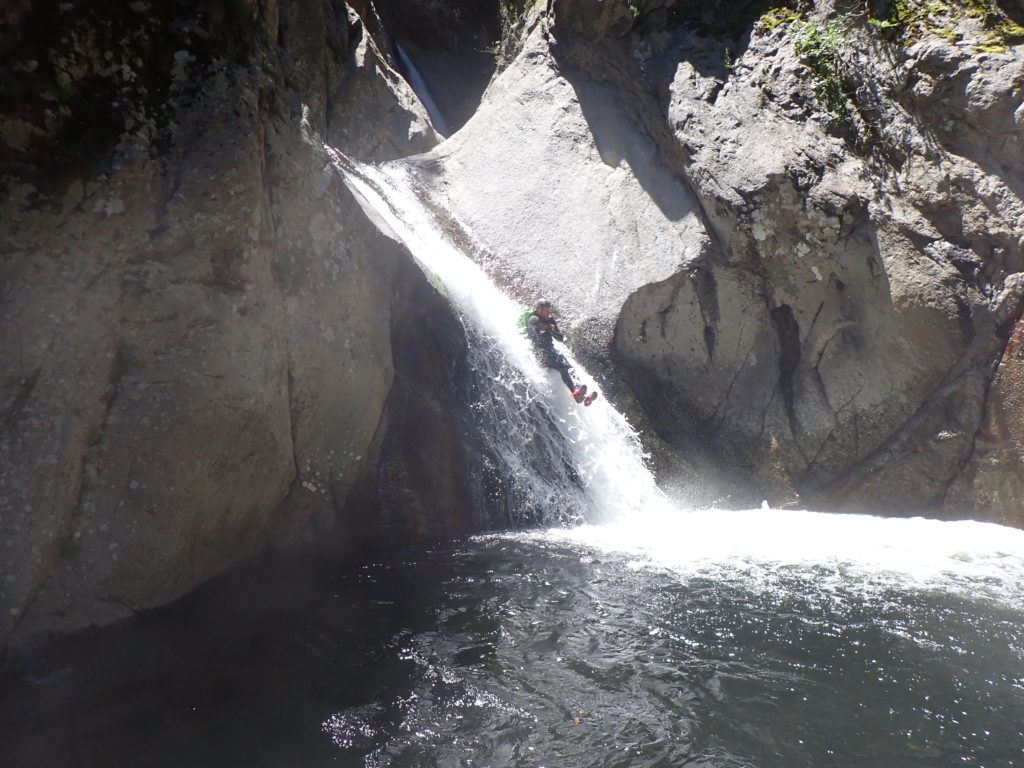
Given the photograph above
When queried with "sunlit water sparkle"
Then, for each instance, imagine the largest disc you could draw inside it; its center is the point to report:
(592, 649)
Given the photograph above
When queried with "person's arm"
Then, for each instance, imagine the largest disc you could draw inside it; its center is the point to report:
(554, 330)
(533, 329)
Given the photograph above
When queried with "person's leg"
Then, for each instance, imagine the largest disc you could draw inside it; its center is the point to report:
(563, 371)
(561, 365)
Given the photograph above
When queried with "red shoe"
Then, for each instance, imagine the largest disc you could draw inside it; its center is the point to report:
(579, 393)
(590, 398)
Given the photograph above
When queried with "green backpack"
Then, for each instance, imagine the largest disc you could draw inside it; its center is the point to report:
(524, 318)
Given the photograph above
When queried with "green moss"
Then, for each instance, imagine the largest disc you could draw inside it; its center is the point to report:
(882, 23)
(978, 8)
(60, 93)
(1010, 30)
(776, 17)
(513, 15)
(910, 20)
(729, 20)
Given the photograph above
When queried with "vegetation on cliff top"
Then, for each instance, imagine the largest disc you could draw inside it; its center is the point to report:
(983, 24)
(911, 20)
(980, 24)
(820, 47)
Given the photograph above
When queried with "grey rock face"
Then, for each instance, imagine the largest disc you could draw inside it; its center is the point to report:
(374, 115)
(197, 329)
(611, 18)
(584, 211)
(886, 294)
(817, 307)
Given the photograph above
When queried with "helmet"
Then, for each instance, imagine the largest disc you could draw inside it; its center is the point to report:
(541, 303)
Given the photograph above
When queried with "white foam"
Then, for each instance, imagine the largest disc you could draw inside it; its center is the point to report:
(835, 550)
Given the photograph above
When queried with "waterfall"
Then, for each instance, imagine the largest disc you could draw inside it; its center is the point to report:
(561, 462)
(419, 85)
(586, 465)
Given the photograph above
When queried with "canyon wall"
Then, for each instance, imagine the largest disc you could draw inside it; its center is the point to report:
(199, 324)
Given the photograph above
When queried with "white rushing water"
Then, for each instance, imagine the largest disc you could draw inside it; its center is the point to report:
(794, 550)
(618, 501)
(419, 86)
(595, 455)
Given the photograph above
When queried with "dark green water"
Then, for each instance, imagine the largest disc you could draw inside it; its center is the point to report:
(529, 651)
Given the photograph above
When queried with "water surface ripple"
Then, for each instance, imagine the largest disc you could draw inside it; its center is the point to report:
(566, 648)
(549, 652)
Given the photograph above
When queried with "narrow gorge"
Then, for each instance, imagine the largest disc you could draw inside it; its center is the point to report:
(260, 265)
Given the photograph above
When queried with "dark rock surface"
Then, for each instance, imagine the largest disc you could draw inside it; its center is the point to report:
(198, 321)
(451, 43)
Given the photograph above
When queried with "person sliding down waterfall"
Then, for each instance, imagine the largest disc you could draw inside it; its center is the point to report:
(543, 330)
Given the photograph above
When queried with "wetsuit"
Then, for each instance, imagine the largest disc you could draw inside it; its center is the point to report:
(542, 334)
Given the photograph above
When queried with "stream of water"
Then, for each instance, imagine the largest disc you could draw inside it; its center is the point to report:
(584, 463)
(419, 85)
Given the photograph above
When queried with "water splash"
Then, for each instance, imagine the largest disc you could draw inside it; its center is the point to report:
(894, 642)
(824, 553)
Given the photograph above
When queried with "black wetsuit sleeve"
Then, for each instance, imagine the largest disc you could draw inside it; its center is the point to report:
(533, 330)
